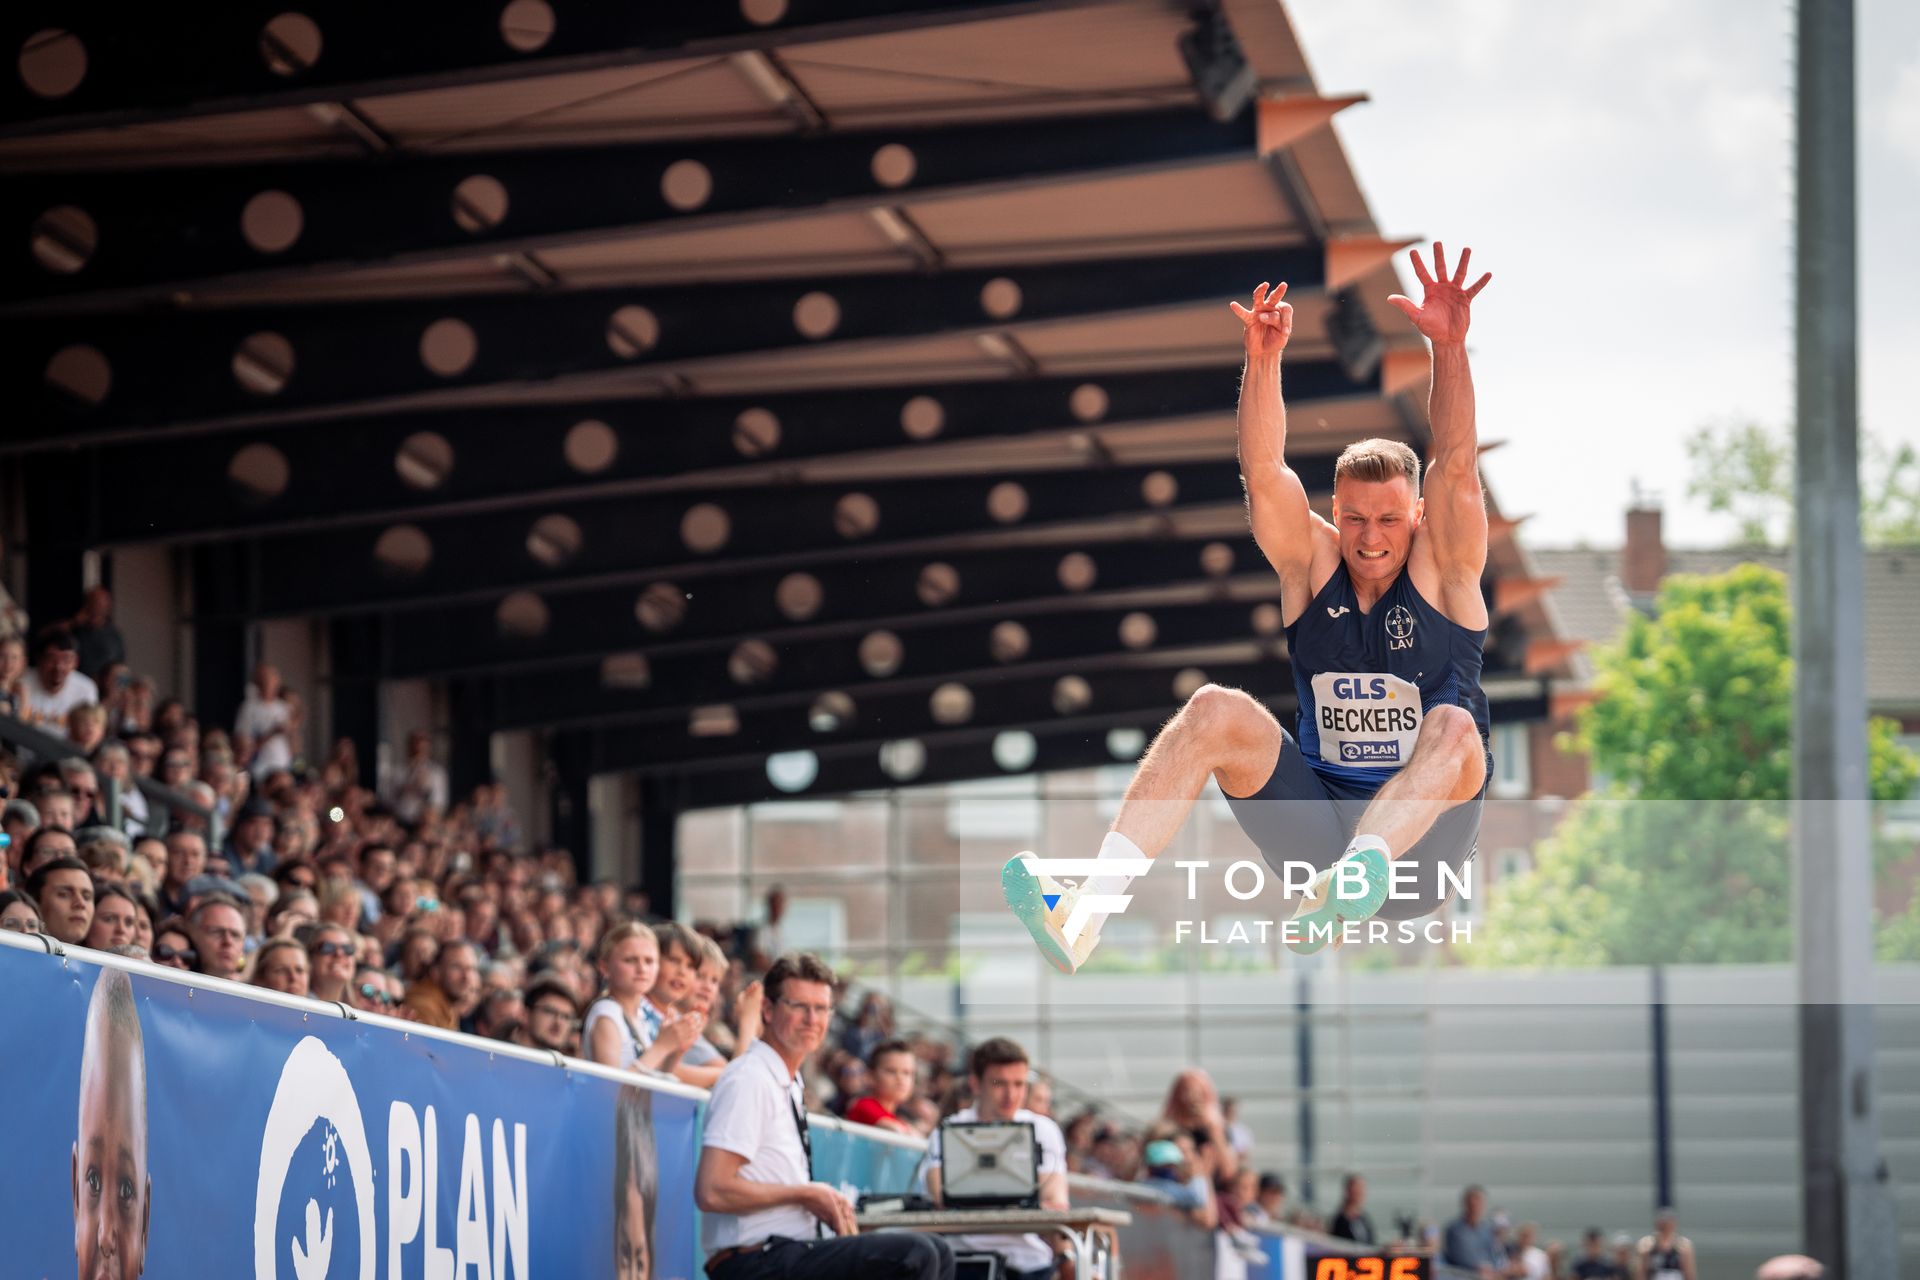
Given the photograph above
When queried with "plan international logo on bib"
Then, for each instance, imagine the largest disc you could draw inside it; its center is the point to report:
(1362, 751)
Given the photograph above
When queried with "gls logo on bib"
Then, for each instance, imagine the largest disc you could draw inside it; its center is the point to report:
(1366, 719)
(313, 1129)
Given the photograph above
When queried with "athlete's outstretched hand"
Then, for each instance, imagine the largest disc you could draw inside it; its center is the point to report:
(1442, 314)
(1269, 324)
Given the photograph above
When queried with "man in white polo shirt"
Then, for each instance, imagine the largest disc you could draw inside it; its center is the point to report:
(764, 1216)
(998, 1072)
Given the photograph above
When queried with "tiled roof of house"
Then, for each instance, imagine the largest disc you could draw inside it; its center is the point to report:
(1592, 605)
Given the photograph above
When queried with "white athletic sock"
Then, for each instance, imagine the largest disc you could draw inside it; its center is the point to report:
(1114, 848)
(1367, 842)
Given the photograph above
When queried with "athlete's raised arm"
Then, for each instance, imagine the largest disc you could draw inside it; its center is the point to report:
(1283, 523)
(1455, 524)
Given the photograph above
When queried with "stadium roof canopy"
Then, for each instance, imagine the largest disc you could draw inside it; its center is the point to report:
(698, 383)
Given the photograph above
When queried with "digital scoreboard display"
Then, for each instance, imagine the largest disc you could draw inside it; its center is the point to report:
(1403, 1267)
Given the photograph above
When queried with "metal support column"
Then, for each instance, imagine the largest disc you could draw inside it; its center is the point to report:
(572, 823)
(353, 648)
(1303, 1050)
(1848, 1214)
(470, 717)
(219, 644)
(660, 808)
(53, 552)
(1662, 1095)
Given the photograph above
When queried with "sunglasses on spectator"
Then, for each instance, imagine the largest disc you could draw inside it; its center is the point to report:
(334, 949)
(164, 952)
(370, 992)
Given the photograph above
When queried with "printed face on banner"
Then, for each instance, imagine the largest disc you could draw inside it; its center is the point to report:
(636, 1184)
(111, 1192)
(281, 1145)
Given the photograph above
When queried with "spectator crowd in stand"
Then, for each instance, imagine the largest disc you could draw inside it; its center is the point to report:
(402, 900)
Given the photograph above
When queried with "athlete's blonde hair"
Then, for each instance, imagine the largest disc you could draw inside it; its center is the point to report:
(1377, 460)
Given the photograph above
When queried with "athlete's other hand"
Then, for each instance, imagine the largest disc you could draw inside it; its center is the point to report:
(1444, 310)
(1269, 324)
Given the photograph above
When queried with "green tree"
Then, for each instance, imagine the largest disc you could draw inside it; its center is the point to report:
(1683, 856)
(1745, 470)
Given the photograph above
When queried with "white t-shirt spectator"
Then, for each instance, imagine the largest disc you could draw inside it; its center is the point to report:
(1537, 1265)
(133, 810)
(415, 787)
(754, 1113)
(46, 708)
(635, 1037)
(265, 721)
(1023, 1253)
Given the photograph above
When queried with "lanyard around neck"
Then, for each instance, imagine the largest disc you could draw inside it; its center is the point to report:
(806, 1143)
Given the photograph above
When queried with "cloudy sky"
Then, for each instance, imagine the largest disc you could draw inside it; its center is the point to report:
(1624, 169)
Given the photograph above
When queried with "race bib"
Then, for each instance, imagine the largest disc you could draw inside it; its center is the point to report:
(1367, 720)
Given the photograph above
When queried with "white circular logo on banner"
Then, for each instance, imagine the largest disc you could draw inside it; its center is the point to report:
(313, 1087)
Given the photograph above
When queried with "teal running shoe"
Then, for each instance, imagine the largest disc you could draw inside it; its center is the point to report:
(1321, 914)
(1045, 906)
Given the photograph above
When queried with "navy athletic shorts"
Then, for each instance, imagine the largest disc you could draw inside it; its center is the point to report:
(1301, 816)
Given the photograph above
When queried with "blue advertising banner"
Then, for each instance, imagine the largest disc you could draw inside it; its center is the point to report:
(170, 1130)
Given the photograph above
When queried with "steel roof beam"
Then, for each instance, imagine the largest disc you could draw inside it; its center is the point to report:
(451, 557)
(1017, 703)
(930, 649)
(81, 375)
(1081, 743)
(142, 64)
(968, 754)
(419, 463)
(161, 229)
(837, 598)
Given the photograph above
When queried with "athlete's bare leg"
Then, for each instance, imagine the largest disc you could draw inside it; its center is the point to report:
(1448, 767)
(1221, 733)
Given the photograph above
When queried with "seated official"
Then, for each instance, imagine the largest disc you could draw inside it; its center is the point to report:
(998, 1072)
(764, 1216)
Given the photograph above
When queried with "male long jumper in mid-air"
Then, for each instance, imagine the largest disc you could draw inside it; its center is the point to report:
(1385, 625)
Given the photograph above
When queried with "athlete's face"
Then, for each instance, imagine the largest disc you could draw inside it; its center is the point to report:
(1376, 520)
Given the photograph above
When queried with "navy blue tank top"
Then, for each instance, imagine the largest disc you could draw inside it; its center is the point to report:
(1366, 680)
